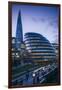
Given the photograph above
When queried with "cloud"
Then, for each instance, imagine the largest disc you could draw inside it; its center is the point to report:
(53, 23)
(42, 19)
(37, 19)
(34, 19)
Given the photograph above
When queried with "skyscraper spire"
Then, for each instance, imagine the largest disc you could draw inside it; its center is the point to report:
(19, 33)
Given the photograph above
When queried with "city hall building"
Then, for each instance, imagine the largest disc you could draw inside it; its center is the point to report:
(39, 47)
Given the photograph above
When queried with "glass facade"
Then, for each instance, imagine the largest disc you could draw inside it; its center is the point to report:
(39, 47)
(19, 33)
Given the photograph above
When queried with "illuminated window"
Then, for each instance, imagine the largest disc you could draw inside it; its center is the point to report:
(37, 57)
(13, 54)
(22, 46)
(42, 53)
(19, 49)
(17, 56)
(12, 49)
(29, 50)
(42, 50)
(13, 41)
(16, 53)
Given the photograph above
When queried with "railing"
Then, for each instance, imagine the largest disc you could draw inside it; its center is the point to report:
(44, 72)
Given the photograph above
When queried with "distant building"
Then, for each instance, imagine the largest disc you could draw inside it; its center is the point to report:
(15, 53)
(56, 47)
(40, 48)
(20, 54)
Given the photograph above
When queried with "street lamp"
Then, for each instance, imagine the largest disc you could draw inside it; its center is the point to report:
(33, 78)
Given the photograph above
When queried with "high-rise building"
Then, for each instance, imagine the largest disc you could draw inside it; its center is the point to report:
(19, 33)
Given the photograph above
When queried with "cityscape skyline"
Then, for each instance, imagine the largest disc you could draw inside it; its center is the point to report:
(40, 19)
(34, 46)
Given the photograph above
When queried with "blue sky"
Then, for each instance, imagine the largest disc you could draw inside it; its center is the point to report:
(40, 19)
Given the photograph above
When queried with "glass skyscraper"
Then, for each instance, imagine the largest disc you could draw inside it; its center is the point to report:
(19, 33)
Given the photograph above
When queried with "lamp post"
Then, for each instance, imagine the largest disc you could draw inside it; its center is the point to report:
(38, 77)
(33, 78)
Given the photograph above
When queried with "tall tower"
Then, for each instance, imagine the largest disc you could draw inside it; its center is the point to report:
(19, 33)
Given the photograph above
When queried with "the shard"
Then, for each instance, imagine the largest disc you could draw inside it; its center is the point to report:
(19, 33)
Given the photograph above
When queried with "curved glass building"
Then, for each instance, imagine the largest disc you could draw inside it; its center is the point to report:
(39, 47)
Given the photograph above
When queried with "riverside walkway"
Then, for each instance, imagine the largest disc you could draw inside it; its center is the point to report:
(35, 75)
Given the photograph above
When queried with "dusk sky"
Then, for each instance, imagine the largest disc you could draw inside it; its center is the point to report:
(40, 19)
